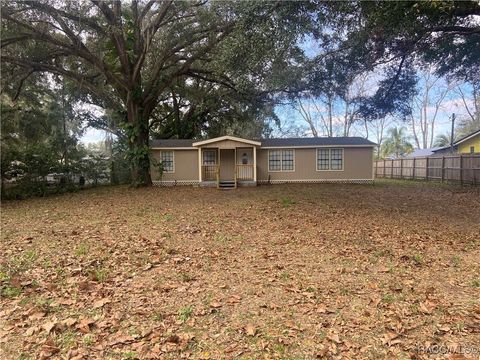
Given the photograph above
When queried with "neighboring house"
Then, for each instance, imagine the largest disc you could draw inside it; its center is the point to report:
(469, 144)
(422, 152)
(229, 161)
(445, 150)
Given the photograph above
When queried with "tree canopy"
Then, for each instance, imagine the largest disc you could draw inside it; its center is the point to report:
(205, 68)
(127, 57)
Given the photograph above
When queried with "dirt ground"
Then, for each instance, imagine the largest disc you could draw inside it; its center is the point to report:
(389, 271)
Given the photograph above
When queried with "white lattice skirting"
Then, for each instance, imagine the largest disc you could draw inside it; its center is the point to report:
(263, 182)
(318, 181)
(175, 182)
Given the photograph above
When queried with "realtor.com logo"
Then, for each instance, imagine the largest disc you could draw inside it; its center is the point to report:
(436, 349)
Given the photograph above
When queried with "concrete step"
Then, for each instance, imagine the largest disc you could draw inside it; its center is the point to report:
(226, 184)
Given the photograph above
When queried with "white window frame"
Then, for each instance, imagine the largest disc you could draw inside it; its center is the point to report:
(173, 161)
(343, 159)
(317, 151)
(330, 159)
(214, 156)
(281, 160)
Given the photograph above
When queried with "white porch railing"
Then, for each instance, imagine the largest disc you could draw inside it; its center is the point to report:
(210, 172)
(244, 172)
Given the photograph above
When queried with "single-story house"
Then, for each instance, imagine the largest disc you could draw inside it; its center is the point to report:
(469, 144)
(229, 161)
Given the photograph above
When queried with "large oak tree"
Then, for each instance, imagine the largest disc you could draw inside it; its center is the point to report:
(127, 56)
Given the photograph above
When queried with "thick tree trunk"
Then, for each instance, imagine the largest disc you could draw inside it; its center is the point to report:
(141, 161)
(138, 134)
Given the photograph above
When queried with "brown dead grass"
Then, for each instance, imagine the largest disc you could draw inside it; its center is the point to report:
(285, 271)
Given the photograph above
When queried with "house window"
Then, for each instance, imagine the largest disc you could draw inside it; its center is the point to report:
(287, 160)
(166, 157)
(209, 157)
(323, 159)
(472, 149)
(329, 159)
(336, 159)
(281, 160)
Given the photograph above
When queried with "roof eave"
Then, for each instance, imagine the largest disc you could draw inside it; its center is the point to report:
(468, 137)
(226, 137)
(172, 148)
(316, 146)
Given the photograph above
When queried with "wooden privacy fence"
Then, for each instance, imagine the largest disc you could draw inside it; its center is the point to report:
(462, 168)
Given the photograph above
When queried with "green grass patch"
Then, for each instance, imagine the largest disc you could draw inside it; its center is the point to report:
(185, 313)
(81, 249)
(11, 291)
(286, 202)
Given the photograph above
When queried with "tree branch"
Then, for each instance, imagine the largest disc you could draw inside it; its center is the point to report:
(78, 78)
(145, 40)
(395, 78)
(113, 18)
(79, 50)
(20, 85)
(47, 9)
(456, 29)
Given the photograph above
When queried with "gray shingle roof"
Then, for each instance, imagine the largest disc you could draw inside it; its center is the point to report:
(320, 141)
(423, 152)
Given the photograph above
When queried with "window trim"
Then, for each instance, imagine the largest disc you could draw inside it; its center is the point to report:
(281, 161)
(329, 158)
(214, 151)
(238, 159)
(316, 159)
(173, 161)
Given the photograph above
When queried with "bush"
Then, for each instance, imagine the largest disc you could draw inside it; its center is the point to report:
(26, 188)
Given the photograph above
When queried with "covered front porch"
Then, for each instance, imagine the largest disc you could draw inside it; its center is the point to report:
(227, 162)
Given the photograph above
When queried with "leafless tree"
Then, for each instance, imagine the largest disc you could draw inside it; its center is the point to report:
(471, 102)
(332, 115)
(378, 128)
(426, 106)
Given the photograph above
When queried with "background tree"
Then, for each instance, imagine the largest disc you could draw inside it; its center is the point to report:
(397, 143)
(426, 106)
(40, 133)
(443, 33)
(442, 140)
(201, 109)
(378, 129)
(333, 113)
(396, 37)
(471, 102)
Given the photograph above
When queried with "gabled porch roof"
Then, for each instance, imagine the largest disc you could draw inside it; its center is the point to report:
(226, 138)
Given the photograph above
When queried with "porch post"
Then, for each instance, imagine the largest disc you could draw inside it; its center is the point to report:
(255, 163)
(199, 165)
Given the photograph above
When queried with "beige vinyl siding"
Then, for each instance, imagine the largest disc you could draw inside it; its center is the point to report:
(185, 166)
(224, 144)
(357, 165)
